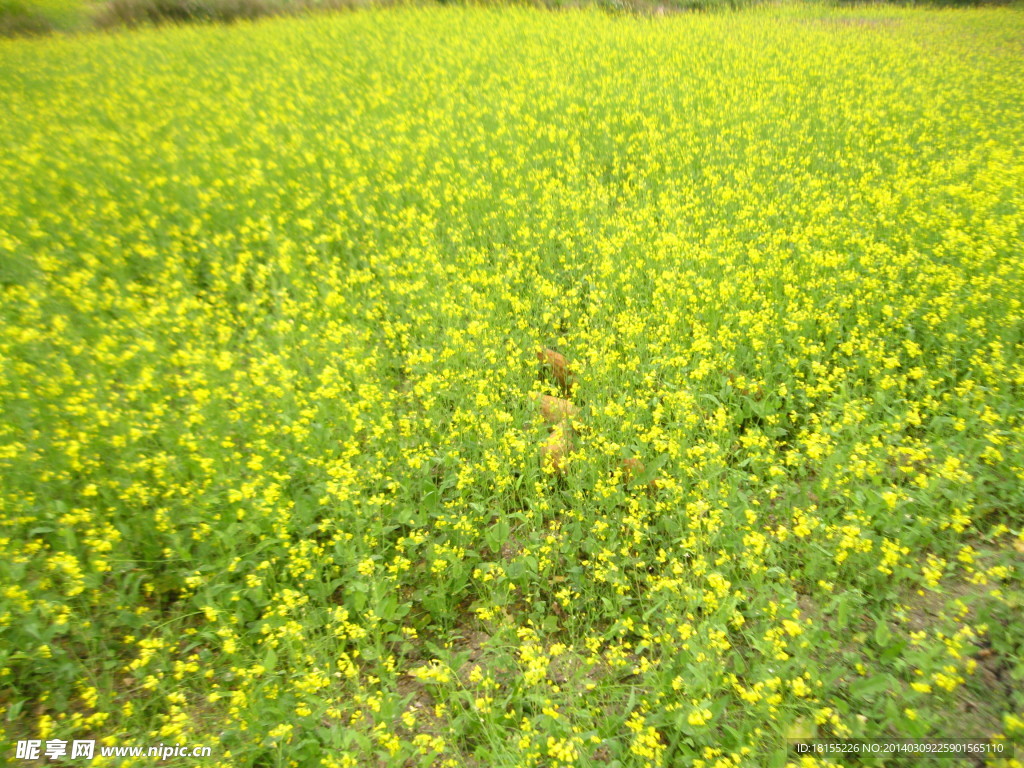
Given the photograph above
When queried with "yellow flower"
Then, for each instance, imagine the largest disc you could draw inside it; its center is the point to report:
(698, 716)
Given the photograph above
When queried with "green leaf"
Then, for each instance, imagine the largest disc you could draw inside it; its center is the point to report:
(515, 569)
(386, 607)
(882, 634)
(497, 534)
(358, 601)
(870, 686)
(893, 651)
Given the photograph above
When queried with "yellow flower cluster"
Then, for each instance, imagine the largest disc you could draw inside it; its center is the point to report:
(271, 297)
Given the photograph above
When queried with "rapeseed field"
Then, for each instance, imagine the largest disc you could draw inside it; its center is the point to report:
(497, 387)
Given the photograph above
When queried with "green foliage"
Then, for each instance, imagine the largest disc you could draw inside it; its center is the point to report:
(19, 21)
(134, 12)
(271, 298)
(38, 17)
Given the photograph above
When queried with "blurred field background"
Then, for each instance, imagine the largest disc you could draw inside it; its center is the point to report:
(20, 18)
(277, 475)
